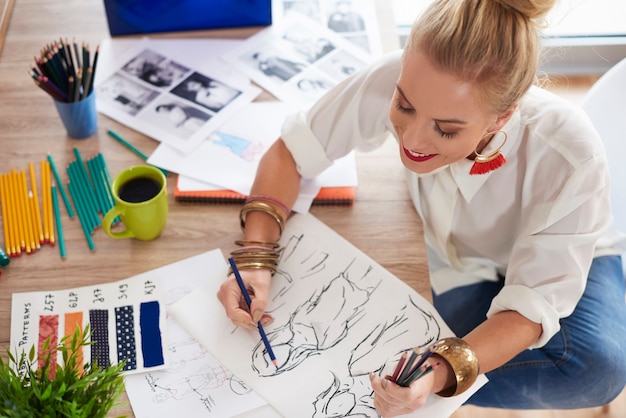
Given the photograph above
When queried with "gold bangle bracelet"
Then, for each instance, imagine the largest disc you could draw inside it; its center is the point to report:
(262, 207)
(463, 361)
(247, 242)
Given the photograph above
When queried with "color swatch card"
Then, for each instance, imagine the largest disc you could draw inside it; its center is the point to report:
(126, 322)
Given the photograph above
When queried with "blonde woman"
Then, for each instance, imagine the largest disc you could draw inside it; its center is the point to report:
(512, 185)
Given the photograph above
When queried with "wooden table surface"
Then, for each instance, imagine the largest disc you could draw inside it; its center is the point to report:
(382, 221)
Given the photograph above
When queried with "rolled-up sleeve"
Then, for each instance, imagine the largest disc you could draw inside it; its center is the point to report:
(352, 115)
(550, 260)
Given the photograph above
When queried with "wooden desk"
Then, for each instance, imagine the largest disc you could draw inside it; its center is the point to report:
(382, 222)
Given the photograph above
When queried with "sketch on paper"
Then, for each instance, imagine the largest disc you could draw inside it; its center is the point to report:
(338, 316)
(194, 383)
(244, 148)
(327, 318)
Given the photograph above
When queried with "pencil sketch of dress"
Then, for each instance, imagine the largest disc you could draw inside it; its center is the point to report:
(338, 316)
(325, 319)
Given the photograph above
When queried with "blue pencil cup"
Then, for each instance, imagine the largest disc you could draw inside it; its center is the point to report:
(79, 118)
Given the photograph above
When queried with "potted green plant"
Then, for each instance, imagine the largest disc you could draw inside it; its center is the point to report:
(67, 389)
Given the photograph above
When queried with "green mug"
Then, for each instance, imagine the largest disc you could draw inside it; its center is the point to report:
(140, 195)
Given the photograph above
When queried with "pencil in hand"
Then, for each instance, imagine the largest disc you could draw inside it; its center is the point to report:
(409, 370)
(246, 296)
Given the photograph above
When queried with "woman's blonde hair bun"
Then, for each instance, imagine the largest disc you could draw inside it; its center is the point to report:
(533, 9)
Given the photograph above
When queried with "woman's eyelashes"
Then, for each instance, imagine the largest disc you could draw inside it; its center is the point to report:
(402, 108)
(443, 133)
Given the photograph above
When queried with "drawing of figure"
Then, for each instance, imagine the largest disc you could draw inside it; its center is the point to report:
(352, 395)
(326, 319)
(241, 147)
(205, 377)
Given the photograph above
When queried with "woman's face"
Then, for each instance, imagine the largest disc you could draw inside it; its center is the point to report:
(436, 116)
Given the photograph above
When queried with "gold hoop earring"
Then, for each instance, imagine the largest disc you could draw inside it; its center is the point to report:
(484, 164)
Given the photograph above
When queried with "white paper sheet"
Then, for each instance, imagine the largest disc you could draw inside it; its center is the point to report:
(229, 158)
(176, 91)
(195, 384)
(297, 60)
(355, 21)
(338, 316)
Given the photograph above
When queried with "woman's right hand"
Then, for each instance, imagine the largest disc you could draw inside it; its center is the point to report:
(257, 282)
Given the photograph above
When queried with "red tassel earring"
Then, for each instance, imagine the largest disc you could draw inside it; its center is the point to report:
(484, 164)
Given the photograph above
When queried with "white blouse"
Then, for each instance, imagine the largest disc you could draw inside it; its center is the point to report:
(538, 220)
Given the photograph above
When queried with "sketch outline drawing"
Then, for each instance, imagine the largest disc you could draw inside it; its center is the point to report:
(338, 316)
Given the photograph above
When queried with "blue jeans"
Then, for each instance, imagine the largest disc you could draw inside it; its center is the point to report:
(582, 366)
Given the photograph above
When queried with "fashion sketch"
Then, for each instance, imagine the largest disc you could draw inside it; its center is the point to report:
(326, 321)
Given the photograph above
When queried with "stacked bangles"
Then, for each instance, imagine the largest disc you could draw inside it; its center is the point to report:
(255, 254)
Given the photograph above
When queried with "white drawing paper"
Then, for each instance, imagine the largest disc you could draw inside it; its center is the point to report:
(297, 60)
(354, 20)
(175, 92)
(229, 158)
(338, 316)
(195, 384)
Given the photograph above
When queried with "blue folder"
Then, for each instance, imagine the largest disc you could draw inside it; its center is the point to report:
(129, 17)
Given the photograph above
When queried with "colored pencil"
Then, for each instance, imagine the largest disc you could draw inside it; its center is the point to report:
(104, 182)
(57, 217)
(412, 370)
(83, 195)
(132, 148)
(17, 196)
(26, 211)
(60, 187)
(13, 249)
(79, 208)
(17, 212)
(419, 363)
(8, 240)
(94, 173)
(63, 72)
(87, 185)
(37, 212)
(246, 296)
(396, 372)
(418, 374)
(49, 212)
(44, 203)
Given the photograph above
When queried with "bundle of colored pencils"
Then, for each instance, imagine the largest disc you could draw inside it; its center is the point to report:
(411, 367)
(65, 71)
(26, 225)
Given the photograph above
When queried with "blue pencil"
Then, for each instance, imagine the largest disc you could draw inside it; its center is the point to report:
(246, 296)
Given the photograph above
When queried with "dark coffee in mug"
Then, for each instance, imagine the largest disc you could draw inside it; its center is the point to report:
(139, 189)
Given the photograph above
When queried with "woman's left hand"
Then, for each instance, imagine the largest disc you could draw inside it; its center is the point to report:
(391, 399)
